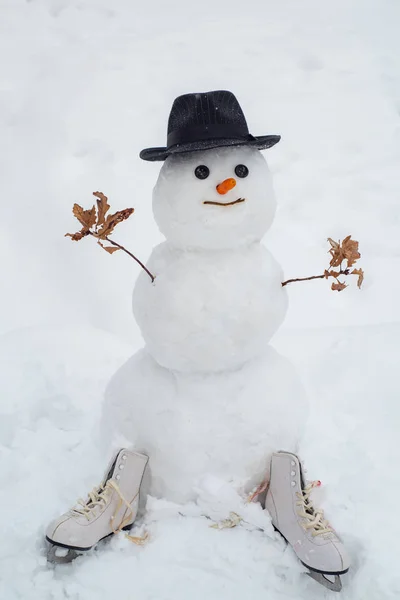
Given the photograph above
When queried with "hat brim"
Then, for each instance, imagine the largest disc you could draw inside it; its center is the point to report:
(260, 143)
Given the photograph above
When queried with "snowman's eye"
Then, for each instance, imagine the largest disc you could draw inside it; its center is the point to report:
(241, 171)
(202, 172)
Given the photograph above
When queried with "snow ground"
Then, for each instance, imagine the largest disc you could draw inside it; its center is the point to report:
(84, 85)
(51, 383)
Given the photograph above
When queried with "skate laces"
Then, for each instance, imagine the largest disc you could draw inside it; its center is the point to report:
(100, 497)
(97, 497)
(314, 516)
(139, 540)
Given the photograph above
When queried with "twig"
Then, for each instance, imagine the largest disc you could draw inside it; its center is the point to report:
(347, 250)
(97, 223)
(152, 277)
(224, 203)
(302, 279)
(324, 276)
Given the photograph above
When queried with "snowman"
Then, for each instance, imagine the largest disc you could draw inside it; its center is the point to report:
(207, 395)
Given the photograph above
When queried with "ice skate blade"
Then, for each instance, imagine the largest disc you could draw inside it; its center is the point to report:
(55, 556)
(73, 552)
(334, 586)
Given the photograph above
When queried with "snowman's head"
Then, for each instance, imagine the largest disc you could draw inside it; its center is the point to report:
(214, 199)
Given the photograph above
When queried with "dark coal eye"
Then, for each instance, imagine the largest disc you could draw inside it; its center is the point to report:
(202, 172)
(241, 171)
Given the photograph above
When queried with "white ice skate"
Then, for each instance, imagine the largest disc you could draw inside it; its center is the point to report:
(110, 508)
(310, 535)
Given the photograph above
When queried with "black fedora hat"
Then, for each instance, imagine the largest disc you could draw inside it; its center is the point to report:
(204, 121)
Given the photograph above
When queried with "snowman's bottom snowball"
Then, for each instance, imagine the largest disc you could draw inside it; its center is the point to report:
(223, 424)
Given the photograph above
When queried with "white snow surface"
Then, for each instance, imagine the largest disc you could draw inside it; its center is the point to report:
(51, 384)
(84, 85)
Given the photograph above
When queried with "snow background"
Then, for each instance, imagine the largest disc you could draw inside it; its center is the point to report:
(84, 86)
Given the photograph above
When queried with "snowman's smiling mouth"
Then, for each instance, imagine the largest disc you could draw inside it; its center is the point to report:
(238, 201)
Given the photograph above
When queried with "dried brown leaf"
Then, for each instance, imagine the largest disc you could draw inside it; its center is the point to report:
(233, 521)
(100, 226)
(109, 249)
(336, 253)
(264, 485)
(331, 273)
(339, 286)
(139, 540)
(360, 274)
(113, 220)
(78, 235)
(87, 218)
(347, 250)
(102, 207)
(350, 250)
(333, 243)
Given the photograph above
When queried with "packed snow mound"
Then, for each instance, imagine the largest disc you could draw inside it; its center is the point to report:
(52, 458)
(191, 425)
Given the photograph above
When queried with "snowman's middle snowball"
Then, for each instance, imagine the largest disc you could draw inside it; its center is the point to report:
(209, 310)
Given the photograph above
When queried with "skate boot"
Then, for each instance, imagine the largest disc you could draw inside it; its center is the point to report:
(312, 538)
(110, 508)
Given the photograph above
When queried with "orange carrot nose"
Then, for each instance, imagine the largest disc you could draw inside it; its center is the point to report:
(225, 186)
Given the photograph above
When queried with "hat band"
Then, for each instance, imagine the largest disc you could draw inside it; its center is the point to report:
(197, 133)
